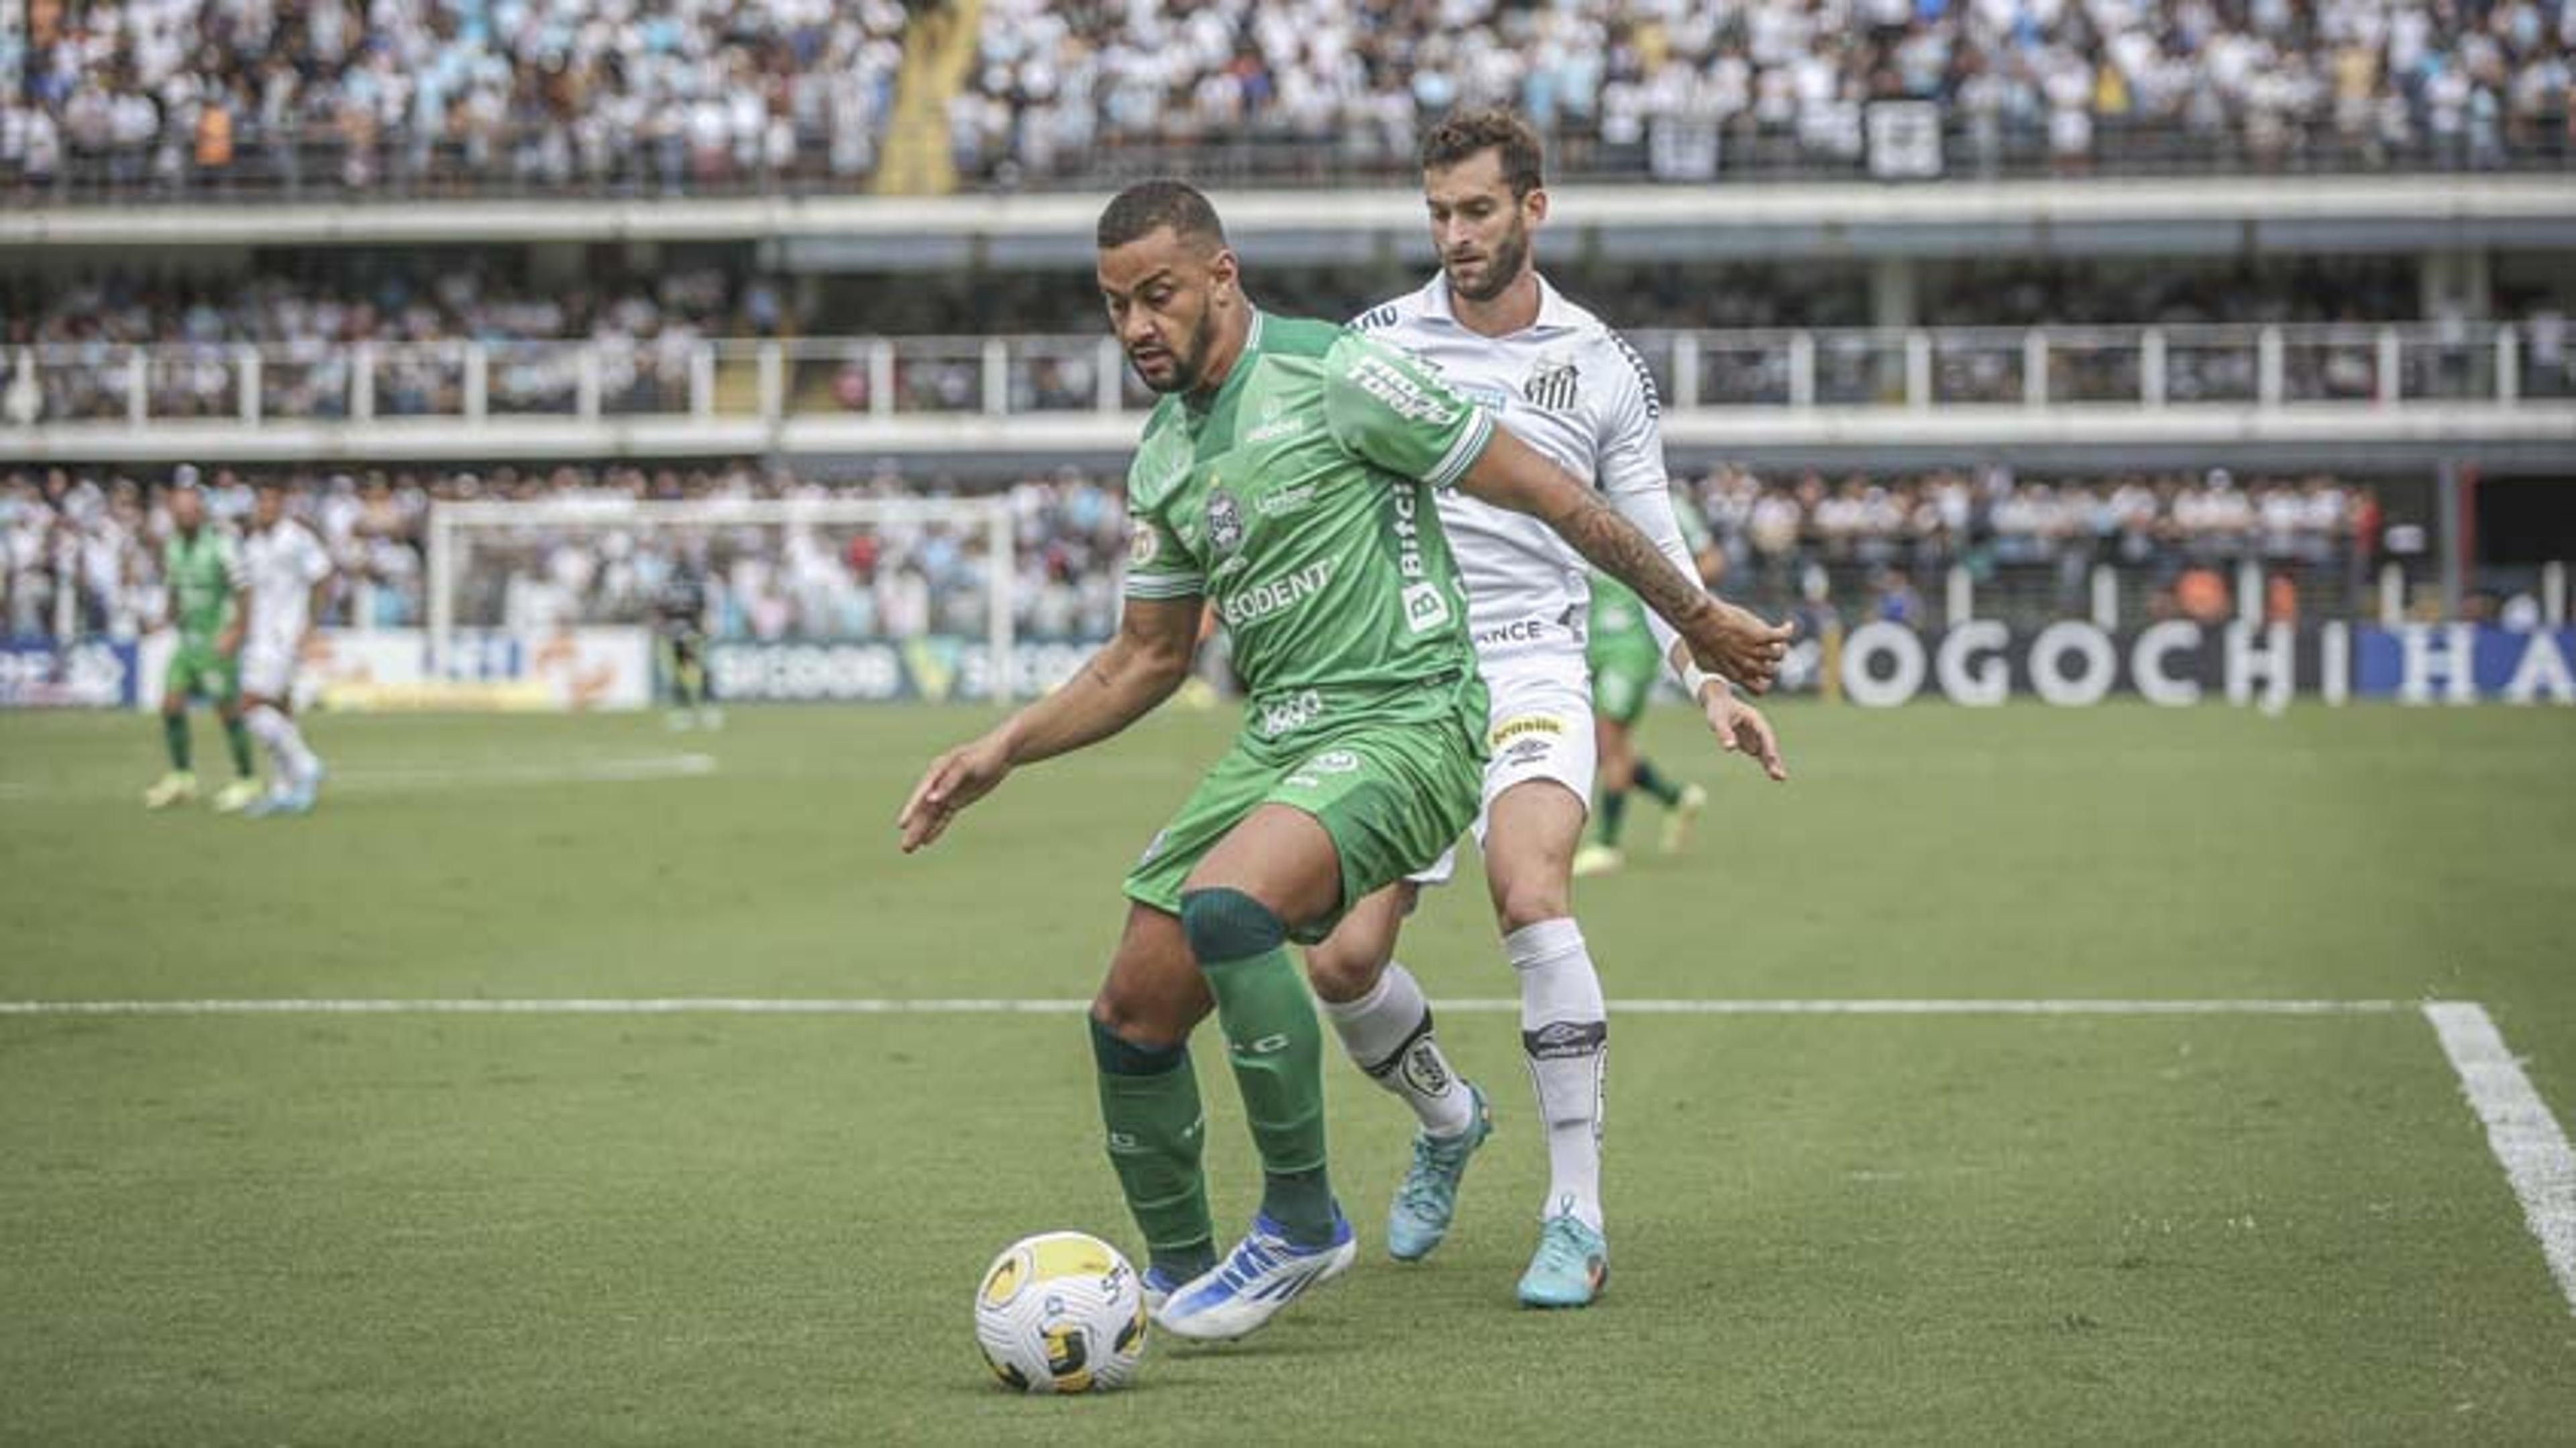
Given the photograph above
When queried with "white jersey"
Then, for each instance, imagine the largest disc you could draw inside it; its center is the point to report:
(282, 565)
(1573, 389)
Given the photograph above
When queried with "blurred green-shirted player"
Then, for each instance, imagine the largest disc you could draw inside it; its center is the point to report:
(1625, 667)
(205, 581)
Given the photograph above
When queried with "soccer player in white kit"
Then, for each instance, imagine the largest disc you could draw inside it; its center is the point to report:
(288, 569)
(1572, 388)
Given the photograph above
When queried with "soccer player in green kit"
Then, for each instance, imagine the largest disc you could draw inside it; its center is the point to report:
(1625, 665)
(207, 604)
(1286, 476)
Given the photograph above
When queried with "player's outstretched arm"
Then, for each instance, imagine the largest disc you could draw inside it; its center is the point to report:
(1724, 638)
(1122, 683)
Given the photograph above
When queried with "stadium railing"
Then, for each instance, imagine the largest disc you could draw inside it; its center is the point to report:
(248, 386)
(321, 162)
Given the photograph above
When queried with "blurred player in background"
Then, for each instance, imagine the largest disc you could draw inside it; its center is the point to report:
(288, 572)
(208, 605)
(681, 611)
(1625, 660)
(1552, 374)
(1287, 473)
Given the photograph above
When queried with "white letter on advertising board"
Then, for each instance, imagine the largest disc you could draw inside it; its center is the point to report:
(2543, 672)
(1866, 643)
(2080, 690)
(2147, 662)
(1961, 677)
(2420, 663)
(2273, 664)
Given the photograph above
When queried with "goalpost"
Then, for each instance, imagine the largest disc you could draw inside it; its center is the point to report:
(485, 558)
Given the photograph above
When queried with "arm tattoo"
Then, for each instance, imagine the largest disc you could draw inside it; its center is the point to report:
(1617, 547)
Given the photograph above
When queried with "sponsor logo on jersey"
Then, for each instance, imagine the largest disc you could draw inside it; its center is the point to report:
(1511, 729)
(1281, 502)
(1224, 520)
(1272, 595)
(1333, 761)
(1485, 395)
(1393, 387)
(1425, 607)
(1518, 631)
(1298, 710)
(1277, 422)
(1552, 384)
(1527, 752)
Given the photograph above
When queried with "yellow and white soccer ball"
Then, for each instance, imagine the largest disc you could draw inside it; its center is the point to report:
(1061, 1312)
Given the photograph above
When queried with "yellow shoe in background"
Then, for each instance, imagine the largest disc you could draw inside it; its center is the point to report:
(176, 787)
(1596, 860)
(1679, 819)
(236, 796)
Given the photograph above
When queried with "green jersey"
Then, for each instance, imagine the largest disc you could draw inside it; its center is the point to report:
(202, 573)
(1299, 500)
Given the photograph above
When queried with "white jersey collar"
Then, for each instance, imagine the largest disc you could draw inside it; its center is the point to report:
(1555, 313)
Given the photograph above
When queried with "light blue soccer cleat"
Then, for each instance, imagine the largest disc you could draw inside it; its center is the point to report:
(1264, 1273)
(1571, 1267)
(1428, 1196)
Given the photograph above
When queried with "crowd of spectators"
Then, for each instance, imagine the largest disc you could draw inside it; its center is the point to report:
(641, 95)
(305, 329)
(666, 96)
(1689, 91)
(84, 548)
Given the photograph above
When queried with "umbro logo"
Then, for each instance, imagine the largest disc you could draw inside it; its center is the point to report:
(1559, 1039)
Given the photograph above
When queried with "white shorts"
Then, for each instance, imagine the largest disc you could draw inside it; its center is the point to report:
(268, 668)
(1538, 726)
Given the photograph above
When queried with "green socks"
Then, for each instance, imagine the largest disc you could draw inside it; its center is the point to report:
(237, 735)
(1277, 1050)
(1666, 793)
(1149, 1100)
(1614, 815)
(174, 733)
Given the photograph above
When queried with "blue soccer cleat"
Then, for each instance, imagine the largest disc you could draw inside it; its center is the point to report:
(1264, 1273)
(1571, 1267)
(1428, 1197)
(1159, 1284)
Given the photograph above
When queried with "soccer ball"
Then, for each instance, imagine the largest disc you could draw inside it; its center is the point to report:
(1061, 1312)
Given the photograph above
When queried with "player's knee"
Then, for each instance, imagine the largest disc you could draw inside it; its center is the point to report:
(1143, 1022)
(1226, 924)
(1519, 904)
(1343, 973)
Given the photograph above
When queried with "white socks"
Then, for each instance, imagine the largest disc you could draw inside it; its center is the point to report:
(1388, 1032)
(1565, 1032)
(285, 744)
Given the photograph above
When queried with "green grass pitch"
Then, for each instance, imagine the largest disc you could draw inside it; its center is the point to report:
(762, 1229)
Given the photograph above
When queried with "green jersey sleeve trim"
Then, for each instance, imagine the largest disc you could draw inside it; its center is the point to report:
(1463, 453)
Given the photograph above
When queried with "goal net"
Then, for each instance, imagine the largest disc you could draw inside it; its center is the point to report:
(772, 571)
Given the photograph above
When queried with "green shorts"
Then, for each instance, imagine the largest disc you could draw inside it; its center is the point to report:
(1392, 796)
(198, 671)
(1623, 680)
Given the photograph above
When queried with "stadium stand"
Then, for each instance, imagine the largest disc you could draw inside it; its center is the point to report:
(215, 97)
(82, 548)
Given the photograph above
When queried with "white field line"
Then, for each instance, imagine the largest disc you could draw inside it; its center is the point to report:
(2525, 1138)
(826, 1006)
(397, 779)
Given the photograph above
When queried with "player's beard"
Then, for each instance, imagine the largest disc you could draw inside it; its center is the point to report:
(1503, 266)
(1189, 361)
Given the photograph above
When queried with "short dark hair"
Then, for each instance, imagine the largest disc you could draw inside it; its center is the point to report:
(1462, 134)
(1148, 206)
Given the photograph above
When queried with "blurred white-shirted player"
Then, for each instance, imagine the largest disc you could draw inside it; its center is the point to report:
(287, 569)
(1571, 387)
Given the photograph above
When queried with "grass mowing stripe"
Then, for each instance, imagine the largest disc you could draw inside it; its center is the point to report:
(2525, 1138)
(767, 1006)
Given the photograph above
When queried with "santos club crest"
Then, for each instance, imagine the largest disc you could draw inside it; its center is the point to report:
(1551, 384)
